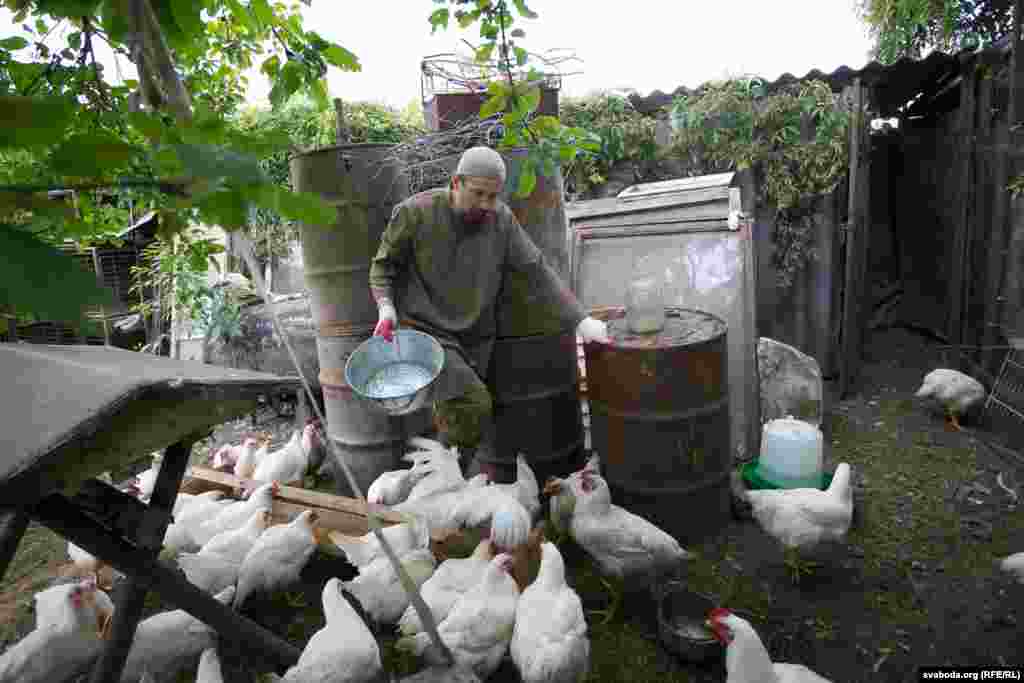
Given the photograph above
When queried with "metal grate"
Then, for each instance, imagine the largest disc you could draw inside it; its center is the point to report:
(1004, 407)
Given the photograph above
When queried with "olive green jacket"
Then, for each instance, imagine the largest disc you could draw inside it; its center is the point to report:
(447, 278)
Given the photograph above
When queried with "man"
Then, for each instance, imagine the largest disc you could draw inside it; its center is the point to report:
(440, 264)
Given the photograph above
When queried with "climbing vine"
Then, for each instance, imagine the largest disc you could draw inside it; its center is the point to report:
(624, 133)
(795, 138)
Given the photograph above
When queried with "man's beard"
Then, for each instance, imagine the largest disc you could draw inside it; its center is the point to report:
(475, 216)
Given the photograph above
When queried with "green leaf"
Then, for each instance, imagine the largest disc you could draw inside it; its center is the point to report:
(492, 106)
(288, 82)
(39, 279)
(13, 43)
(530, 100)
(262, 10)
(546, 126)
(32, 121)
(150, 125)
(466, 19)
(207, 161)
(300, 206)
(243, 16)
(228, 208)
(527, 181)
(523, 10)
(338, 56)
(521, 56)
(438, 19)
(186, 15)
(91, 155)
(484, 52)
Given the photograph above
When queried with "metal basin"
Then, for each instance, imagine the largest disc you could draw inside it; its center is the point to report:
(396, 377)
(681, 615)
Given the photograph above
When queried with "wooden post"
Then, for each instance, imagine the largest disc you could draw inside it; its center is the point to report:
(857, 241)
(341, 136)
(961, 214)
(149, 538)
(1002, 223)
(13, 524)
(98, 269)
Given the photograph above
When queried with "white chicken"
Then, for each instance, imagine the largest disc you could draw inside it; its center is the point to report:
(802, 518)
(145, 481)
(625, 546)
(343, 651)
(198, 510)
(391, 488)
(186, 501)
(360, 551)
(278, 556)
(525, 489)
(549, 641)
(73, 621)
(957, 393)
(479, 626)
(289, 464)
(1014, 565)
(236, 514)
(746, 659)
(379, 589)
(247, 461)
(168, 643)
(562, 502)
(209, 670)
(448, 583)
(470, 507)
(209, 573)
(234, 544)
(228, 455)
(435, 468)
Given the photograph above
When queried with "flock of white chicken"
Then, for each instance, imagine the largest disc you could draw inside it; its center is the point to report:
(486, 605)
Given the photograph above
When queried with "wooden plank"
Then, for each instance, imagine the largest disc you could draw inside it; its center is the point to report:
(963, 200)
(289, 494)
(856, 234)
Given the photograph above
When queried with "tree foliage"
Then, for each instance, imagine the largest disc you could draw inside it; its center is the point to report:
(514, 94)
(909, 28)
(165, 140)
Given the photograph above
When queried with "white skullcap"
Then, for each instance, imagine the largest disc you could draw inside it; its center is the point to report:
(482, 162)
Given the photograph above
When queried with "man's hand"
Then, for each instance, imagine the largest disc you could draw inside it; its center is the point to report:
(387, 321)
(592, 329)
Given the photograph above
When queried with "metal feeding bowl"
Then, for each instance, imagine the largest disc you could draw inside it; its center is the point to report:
(396, 376)
(681, 615)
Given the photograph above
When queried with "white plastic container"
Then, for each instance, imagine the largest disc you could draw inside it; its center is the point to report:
(791, 453)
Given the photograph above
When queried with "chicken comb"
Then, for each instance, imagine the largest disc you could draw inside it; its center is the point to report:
(719, 613)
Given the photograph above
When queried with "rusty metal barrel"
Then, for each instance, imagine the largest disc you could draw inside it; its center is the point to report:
(659, 419)
(364, 184)
(533, 373)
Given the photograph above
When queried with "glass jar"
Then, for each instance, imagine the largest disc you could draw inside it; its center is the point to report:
(645, 303)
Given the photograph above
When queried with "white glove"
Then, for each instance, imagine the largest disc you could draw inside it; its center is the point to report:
(387, 321)
(593, 330)
(734, 219)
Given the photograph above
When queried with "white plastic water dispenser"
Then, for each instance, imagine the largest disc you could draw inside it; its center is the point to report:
(791, 453)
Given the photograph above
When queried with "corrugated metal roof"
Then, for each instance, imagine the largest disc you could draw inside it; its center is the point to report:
(895, 84)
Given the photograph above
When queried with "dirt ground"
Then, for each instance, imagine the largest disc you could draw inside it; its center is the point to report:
(915, 583)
